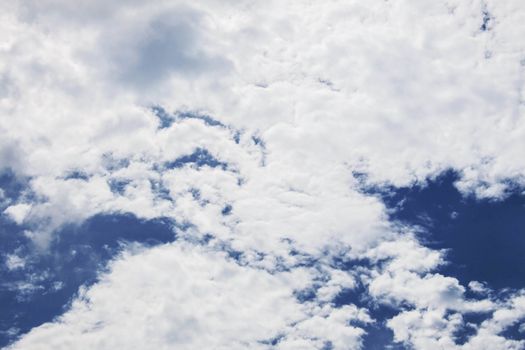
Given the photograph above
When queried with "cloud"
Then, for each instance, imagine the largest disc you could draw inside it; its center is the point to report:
(18, 212)
(169, 46)
(304, 96)
(402, 84)
(14, 262)
(185, 295)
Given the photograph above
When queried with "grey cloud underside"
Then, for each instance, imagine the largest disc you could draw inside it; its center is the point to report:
(168, 45)
(255, 176)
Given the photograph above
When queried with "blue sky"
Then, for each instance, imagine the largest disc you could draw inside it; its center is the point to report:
(484, 237)
(278, 175)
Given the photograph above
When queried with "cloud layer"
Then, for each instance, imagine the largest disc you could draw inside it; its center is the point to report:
(257, 129)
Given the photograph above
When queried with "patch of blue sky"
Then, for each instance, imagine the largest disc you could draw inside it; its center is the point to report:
(226, 210)
(11, 185)
(118, 186)
(258, 141)
(160, 191)
(237, 136)
(305, 295)
(76, 257)
(273, 341)
(516, 331)
(113, 163)
(327, 345)
(484, 238)
(378, 335)
(12, 188)
(199, 158)
(76, 175)
(471, 323)
(167, 119)
(203, 117)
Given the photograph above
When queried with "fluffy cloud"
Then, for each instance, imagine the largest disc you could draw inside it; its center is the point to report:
(18, 212)
(270, 110)
(186, 297)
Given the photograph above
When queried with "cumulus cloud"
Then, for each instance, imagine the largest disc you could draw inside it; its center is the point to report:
(186, 297)
(247, 124)
(18, 212)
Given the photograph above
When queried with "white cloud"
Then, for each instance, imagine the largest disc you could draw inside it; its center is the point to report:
(14, 262)
(18, 212)
(183, 296)
(432, 328)
(400, 90)
(478, 287)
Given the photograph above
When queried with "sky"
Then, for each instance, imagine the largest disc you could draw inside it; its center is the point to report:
(262, 174)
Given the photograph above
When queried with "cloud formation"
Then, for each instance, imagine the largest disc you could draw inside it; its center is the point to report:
(256, 127)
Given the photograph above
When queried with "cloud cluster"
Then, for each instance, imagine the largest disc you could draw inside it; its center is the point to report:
(192, 297)
(246, 123)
